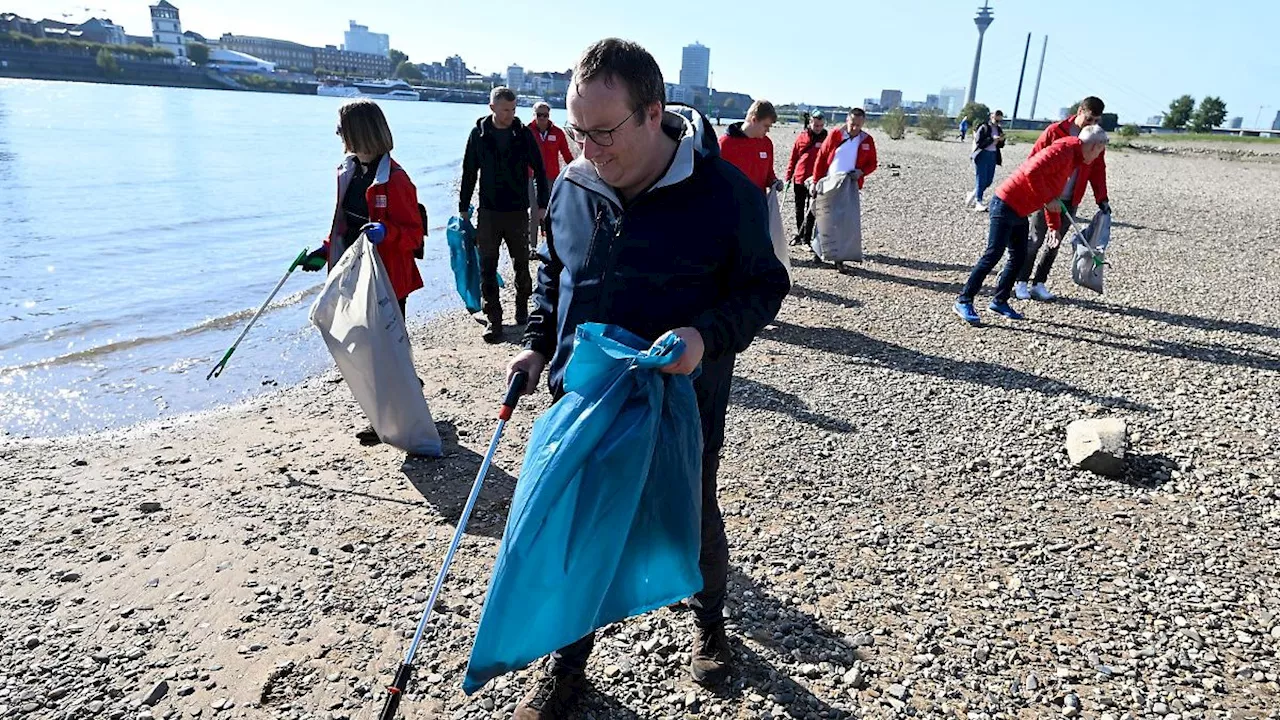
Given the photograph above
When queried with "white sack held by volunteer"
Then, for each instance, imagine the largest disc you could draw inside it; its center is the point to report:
(847, 157)
(359, 318)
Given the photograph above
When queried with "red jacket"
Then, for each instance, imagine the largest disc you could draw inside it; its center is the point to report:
(753, 156)
(867, 161)
(393, 201)
(803, 155)
(1095, 173)
(554, 145)
(1038, 181)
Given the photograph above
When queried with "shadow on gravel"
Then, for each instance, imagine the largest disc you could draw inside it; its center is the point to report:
(1184, 350)
(921, 265)
(1145, 228)
(801, 291)
(786, 630)
(759, 396)
(1148, 470)
(854, 344)
(946, 288)
(1187, 321)
(598, 703)
(445, 483)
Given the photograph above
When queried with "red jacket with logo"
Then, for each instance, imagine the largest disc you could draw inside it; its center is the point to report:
(753, 156)
(804, 153)
(867, 161)
(553, 145)
(1095, 173)
(393, 201)
(1038, 181)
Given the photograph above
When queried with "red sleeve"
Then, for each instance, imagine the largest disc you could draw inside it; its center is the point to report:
(1098, 178)
(826, 154)
(563, 144)
(403, 223)
(795, 156)
(773, 174)
(872, 161)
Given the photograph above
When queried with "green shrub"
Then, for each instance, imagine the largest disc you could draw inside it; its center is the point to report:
(894, 123)
(1130, 130)
(933, 124)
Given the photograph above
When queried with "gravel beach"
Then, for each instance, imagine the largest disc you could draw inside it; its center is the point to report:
(908, 535)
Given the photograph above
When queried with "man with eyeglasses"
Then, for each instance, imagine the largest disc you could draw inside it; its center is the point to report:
(502, 152)
(656, 233)
(1095, 174)
(554, 145)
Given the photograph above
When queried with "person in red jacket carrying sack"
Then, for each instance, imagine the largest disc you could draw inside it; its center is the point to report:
(847, 150)
(553, 145)
(804, 155)
(747, 145)
(375, 198)
(1036, 184)
(1095, 175)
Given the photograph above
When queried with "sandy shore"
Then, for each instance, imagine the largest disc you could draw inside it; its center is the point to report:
(907, 535)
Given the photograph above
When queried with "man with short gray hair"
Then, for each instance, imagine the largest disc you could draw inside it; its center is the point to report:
(1088, 115)
(502, 152)
(1034, 185)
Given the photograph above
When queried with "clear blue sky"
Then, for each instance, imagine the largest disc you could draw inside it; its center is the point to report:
(1140, 56)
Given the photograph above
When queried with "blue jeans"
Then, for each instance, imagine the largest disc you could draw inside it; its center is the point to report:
(1008, 230)
(984, 166)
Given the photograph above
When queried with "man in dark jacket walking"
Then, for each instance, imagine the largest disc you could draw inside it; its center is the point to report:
(804, 153)
(502, 151)
(655, 233)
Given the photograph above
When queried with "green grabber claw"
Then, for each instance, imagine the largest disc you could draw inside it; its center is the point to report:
(222, 364)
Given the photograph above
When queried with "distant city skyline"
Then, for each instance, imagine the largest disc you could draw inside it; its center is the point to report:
(1125, 60)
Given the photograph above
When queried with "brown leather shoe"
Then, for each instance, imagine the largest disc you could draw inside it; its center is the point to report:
(712, 659)
(551, 698)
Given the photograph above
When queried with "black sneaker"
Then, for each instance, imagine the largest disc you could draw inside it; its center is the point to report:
(493, 332)
(551, 698)
(522, 314)
(712, 659)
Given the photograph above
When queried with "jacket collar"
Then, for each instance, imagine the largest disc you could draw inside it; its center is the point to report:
(695, 138)
(735, 131)
(348, 168)
(486, 126)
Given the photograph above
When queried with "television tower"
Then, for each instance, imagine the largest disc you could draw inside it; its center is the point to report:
(983, 21)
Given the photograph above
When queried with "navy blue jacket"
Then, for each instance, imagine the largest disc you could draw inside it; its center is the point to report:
(692, 251)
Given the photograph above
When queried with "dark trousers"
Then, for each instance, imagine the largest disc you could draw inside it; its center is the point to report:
(984, 166)
(804, 219)
(1008, 231)
(1039, 236)
(712, 388)
(493, 228)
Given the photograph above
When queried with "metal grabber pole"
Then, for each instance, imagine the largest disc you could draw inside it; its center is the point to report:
(222, 364)
(396, 690)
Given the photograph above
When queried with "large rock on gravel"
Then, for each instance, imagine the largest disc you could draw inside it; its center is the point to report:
(1098, 445)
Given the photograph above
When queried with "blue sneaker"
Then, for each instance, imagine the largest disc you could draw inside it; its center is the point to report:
(967, 313)
(1004, 308)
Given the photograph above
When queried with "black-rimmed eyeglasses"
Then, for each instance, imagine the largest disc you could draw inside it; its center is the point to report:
(603, 138)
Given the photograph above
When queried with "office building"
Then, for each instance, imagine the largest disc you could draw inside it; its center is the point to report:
(282, 53)
(358, 39)
(695, 66)
(890, 99)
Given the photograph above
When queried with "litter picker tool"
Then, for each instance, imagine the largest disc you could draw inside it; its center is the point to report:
(396, 690)
(222, 364)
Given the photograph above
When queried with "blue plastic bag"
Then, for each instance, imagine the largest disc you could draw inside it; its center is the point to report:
(464, 258)
(606, 518)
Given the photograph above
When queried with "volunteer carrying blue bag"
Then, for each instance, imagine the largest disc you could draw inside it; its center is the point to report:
(605, 522)
(464, 258)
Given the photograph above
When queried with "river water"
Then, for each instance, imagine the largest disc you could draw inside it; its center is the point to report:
(144, 225)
